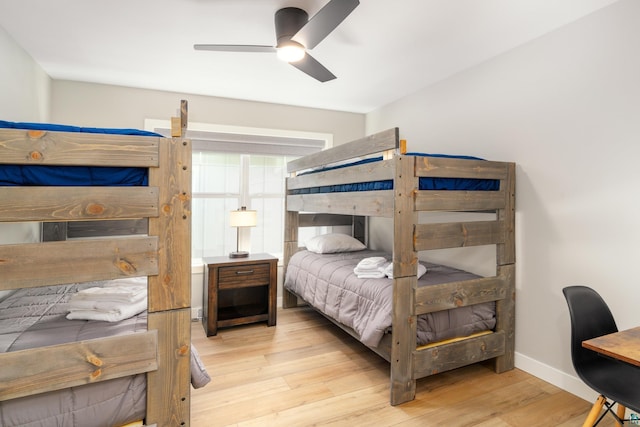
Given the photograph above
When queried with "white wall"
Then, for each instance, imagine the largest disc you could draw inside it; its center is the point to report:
(24, 86)
(24, 96)
(566, 109)
(89, 104)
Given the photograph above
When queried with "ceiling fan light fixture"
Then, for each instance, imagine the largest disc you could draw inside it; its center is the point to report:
(295, 33)
(290, 52)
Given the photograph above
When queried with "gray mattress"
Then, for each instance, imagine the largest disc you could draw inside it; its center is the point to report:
(327, 282)
(35, 317)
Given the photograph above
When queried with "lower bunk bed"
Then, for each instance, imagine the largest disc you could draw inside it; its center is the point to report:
(364, 302)
(59, 175)
(40, 317)
(478, 313)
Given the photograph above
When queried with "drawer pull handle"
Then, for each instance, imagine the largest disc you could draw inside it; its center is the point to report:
(244, 272)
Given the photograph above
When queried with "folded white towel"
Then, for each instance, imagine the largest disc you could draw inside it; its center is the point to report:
(371, 263)
(370, 268)
(115, 314)
(388, 271)
(370, 275)
(127, 281)
(116, 300)
(80, 304)
(116, 293)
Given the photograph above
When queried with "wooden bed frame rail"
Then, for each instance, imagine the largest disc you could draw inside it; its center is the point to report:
(403, 205)
(164, 255)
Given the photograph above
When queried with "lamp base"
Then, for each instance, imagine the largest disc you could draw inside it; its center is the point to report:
(238, 254)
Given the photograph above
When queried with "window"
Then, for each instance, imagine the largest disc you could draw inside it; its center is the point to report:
(223, 182)
(234, 167)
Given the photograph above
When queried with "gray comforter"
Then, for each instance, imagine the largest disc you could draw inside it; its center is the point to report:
(35, 317)
(328, 283)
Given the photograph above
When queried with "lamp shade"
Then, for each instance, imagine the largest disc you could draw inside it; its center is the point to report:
(243, 218)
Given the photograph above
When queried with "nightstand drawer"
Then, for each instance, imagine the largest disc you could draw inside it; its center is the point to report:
(243, 276)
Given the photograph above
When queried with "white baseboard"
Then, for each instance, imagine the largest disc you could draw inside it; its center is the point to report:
(569, 383)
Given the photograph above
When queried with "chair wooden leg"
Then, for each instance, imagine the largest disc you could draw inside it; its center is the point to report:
(620, 412)
(595, 411)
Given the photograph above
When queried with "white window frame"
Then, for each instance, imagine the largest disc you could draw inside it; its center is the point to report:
(251, 133)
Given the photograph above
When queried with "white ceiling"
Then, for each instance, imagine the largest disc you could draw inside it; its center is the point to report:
(383, 51)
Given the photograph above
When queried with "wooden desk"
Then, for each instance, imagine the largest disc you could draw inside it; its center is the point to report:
(623, 345)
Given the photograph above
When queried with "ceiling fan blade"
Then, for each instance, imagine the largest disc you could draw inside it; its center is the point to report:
(324, 22)
(234, 47)
(310, 66)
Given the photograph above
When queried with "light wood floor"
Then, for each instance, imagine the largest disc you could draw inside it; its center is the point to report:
(307, 372)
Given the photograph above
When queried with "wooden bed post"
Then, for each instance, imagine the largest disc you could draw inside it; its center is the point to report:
(405, 269)
(168, 388)
(506, 258)
(291, 223)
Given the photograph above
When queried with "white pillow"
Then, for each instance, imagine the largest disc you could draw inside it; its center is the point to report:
(332, 243)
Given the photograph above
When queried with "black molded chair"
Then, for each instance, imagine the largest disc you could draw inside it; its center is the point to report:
(613, 380)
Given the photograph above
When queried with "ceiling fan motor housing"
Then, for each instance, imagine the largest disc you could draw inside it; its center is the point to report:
(287, 22)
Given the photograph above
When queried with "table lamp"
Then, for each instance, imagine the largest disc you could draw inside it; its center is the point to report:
(241, 218)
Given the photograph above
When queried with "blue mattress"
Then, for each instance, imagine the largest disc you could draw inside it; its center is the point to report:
(40, 175)
(424, 183)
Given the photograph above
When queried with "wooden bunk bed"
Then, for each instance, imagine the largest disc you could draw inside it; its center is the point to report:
(403, 204)
(163, 254)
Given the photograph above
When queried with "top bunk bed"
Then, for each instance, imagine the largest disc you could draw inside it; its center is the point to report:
(375, 177)
(54, 174)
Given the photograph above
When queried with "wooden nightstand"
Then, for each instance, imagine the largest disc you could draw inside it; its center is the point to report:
(239, 291)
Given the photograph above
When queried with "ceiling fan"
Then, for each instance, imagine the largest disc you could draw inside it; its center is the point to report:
(295, 34)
